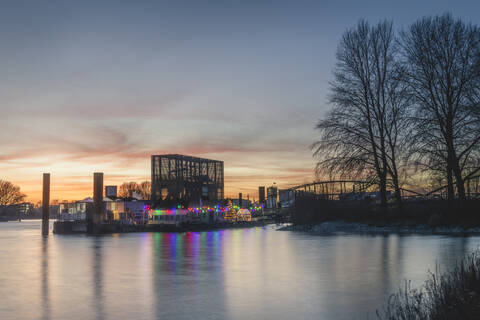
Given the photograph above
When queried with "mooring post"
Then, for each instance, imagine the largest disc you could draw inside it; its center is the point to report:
(97, 197)
(46, 203)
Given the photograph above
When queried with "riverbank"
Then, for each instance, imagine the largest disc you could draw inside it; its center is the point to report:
(335, 227)
(425, 216)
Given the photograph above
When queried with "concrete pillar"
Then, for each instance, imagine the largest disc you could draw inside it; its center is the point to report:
(97, 197)
(45, 203)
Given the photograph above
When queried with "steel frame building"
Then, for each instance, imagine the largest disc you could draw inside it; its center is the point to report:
(185, 180)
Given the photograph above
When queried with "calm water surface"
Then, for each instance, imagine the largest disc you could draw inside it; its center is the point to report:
(254, 273)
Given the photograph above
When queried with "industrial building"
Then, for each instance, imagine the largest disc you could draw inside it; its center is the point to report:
(185, 180)
(242, 203)
(272, 197)
(261, 195)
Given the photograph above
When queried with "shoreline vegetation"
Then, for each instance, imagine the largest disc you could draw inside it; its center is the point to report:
(342, 227)
(423, 216)
(449, 296)
(404, 113)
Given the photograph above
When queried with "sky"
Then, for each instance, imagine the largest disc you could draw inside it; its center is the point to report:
(99, 86)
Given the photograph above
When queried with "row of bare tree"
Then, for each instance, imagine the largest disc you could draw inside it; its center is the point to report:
(143, 189)
(404, 100)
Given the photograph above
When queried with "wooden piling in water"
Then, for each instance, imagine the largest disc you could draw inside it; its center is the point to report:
(98, 197)
(46, 203)
(95, 216)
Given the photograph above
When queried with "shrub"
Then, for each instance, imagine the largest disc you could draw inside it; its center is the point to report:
(451, 296)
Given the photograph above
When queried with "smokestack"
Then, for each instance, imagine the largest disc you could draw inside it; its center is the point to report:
(240, 200)
(46, 203)
(97, 197)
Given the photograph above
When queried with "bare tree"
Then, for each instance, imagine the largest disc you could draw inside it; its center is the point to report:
(10, 193)
(361, 134)
(145, 190)
(442, 64)
(126, 189)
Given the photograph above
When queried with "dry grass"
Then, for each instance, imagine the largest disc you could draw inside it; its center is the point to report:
(452, 296)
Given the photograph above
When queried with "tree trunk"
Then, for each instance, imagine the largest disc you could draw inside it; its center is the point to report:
(398, 193)
(459, 181)
(450, 192)
(383, 189)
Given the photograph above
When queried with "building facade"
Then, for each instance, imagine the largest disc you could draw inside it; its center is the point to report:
(185, 180)
(272, 197)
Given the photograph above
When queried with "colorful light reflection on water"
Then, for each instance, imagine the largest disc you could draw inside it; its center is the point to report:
(256, 273)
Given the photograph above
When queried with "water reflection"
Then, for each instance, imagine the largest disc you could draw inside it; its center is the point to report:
(455, 249)
(187, 275)
(45, 278)
(233, 274)
(97, 272)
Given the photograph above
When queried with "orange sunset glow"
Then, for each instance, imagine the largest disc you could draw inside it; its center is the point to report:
(73, 179)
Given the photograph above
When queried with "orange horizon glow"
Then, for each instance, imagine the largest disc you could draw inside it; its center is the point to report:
(72, 191)
(65, 187)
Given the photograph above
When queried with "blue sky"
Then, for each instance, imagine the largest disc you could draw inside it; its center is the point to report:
(100, 85)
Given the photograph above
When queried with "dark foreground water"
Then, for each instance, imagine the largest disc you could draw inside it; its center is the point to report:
(255, 273)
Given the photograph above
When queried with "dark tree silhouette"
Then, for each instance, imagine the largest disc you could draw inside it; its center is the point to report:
(442, 67)
(362, 134)
(10, 193)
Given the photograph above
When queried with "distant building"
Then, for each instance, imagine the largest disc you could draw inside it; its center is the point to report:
(185, 180)
(54, 211)
(76, 210)
(272, 197)
(286, 198)
(8, 213)
(17, 211)
(242, 203)
(25, 208)
(111, 192)
(127, 209)
(261, 195)
(116, 209)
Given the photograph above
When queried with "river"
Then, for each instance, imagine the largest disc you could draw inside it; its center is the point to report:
(256, 273)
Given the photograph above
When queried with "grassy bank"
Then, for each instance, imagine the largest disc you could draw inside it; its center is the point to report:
(452, 296)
